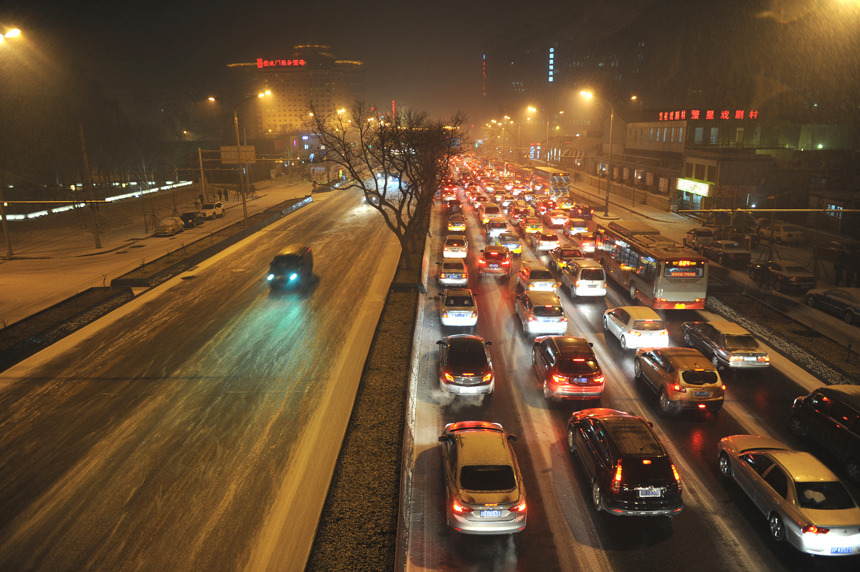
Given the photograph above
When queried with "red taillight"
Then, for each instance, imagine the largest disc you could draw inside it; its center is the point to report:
(506, 262)
(616, 481)
(559, 379)
(449, 377)
(488, 377)
(599, 379)
(723, 388)
(474, 313)
(519, 507)
(679, 389)
(677, 476)
(460, 509)
(444, 313)
(634, 333)
(443, 275)
(701, 406)
(481, 261)
(812, 529)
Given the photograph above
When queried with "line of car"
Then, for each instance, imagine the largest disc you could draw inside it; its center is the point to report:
(624, 481)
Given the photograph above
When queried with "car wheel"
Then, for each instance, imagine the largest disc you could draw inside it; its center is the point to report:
(796, 426)
(172, 232)
(848, 316)
(534, 357)
(666, 405)
(720, 260)
(752, 273)
(624, 343)
(488, 399)
(777, 529)
(810, 301)
(605, 324)
(595, 496)
(717, 364)
(688, 340)
(571, 442)
(852, 467)
(725, 466)
(633, 293)
(637, 369)
(547, 395)
(777, 286)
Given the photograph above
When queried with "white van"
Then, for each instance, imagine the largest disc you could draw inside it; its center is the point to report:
(584, 277)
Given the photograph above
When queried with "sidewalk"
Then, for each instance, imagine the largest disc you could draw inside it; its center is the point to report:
(54, 257)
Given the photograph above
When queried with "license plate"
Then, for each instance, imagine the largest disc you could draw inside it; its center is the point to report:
(840, 550)
(750, 358)
(580, 380)
(645, 493)
(490, 513)
(493, 266)
(680, 306)
(702, 394)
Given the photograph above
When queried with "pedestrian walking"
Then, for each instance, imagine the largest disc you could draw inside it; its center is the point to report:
(219, 194)
(226, 195)
(839, 267)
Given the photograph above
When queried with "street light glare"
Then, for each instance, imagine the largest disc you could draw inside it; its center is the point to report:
(587, 94)
(532, 109)
(13, 33)
(633, 97)
(211, 99)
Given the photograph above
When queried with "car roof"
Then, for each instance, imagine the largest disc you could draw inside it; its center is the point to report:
(687, 358)
(641, 313)
(496, 248)
(453, 263)
(567, 344)
(802, 466)
(458, 292)
(296, 248)
(850, 394)
(483, 446)
(587, 263)
(541, 298)
(729, 328)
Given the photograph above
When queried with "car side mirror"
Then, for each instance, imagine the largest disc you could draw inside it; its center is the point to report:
(650, 424)
(591, 345)
(488, 342)
(443, 439)
(440, 343)
(512, 437)
(438, 263)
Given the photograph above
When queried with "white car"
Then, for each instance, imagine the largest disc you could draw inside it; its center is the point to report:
(459, 308)
(636, 327)
(212, 210)
(455, 247)
(544, 241)
(540, 314)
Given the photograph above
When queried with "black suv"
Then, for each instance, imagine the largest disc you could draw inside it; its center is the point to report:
(831, 416)
(292, 266)
(192, 219)
(630, 471)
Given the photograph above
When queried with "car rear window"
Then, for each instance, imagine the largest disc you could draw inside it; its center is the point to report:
(509, 238)
(633, 437)
(742, 342)
(824, 496)
(792, 229)
(570, 253)
(699, 377)
(469, 354)
(548, 311)
(648, 325)
(494, 255)
(452, 266)
(208, 206)
(704, 233)
(592, 274)
(541, 275)
(459, 301)
(795, 270)
(491, 210)
(456, 243)
(488, 478)
(583, 364)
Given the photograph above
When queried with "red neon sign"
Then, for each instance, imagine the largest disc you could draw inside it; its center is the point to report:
(261, 63)
(696, 114)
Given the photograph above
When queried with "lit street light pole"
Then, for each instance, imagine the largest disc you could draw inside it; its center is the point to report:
(14, 33)
(588, 94)
(239, 145)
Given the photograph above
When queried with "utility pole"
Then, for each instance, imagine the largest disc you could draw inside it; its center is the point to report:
(89, 183)
(5, 224)
(202, 175)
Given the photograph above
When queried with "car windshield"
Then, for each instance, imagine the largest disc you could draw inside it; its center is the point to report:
(728, 245)
(795, 270)
(488, 478)
(633, 437)
(509, 238)
(541, 275)
(592, 274)
(208, 206)
(287, 260)
(792, 229)
(648, 325)
(699, 377)
(824, 496)
(584, 364)
(548, 311)
(459, 301)
(741, 342)
(467, 353)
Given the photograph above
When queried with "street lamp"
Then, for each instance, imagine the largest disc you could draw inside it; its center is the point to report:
(238, 144)
(589, 95)
(13, 33)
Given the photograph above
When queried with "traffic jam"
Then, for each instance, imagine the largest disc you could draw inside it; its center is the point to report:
(517, 267)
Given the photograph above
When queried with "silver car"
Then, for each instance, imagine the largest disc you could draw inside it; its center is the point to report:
(540, 314)
(484, 489)
(452, 272)
(803, 501)
(169, 226)
(459, 308)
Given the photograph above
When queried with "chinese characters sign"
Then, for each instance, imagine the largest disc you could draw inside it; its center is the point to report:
(697, 114)
(261, 63)
(695, 187)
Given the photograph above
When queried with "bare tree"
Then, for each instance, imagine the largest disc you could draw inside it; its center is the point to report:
(397, 161)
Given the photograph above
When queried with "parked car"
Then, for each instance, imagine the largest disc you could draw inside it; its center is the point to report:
(830, 416)
(484, 490)
(530, 225)
(192, 219)
(495, 260)
(535, 277)
(842, 302)
(584, 277)
(739, 234)
(636, 327)
(728, 344)
(510, 241)
(804, 502)
(544, 241)
(212, 210)
(455, 247)
(293, 266)
(540, 314)
(458, 308)
(456, 223)
(831, 250)
(452, 272)
(574, 225)
(465, 367)
(561, 256)
(582, 210)
(629, 469)
(727, 252)
(782, 232)
(169, 226)
(567, 368)
(784, 276)
(696, 237)
(682, 378)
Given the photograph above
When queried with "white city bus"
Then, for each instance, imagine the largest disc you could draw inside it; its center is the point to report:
(651, 267)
